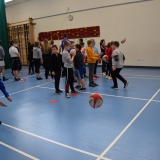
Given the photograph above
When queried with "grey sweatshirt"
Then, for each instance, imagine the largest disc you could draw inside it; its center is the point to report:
(117, 58)
(2, 54)
(37, 53)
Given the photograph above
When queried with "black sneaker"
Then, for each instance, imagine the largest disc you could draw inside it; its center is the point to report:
(29, 73)
(126, 84)
(67, 95)
(5, 79)
(74, 92)
(39, 78)
(78, 87)
(16, 79)
(75, 80)
(91, 85)
(60, 91)
(114, 87)
(82, 89)
(95, 84)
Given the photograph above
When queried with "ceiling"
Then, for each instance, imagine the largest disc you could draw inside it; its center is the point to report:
(14, 2)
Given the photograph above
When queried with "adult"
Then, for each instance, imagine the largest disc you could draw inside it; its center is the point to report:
(30, 58)
(2, 63)
(15, 60)
(37, 56)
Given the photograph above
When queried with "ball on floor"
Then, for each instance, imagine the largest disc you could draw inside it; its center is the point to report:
(95, 100)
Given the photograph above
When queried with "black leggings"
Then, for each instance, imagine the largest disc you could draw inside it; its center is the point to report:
(37, 63)
(103, 66)
(57, 77)
(95, 67)
(47, 73)
(31, 65)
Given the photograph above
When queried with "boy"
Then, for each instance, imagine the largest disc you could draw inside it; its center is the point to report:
(117, 65)
(68, 68)
(3, 89)
(80, 67)
(92, 57)
(56, 66)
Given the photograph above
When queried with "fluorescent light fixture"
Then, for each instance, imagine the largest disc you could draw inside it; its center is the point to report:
(8, 1)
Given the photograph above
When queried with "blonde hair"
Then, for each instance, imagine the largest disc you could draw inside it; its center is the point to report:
(90, 41)
(46, 47)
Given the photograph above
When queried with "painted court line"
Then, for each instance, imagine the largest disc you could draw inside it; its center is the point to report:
(54, 142)
(125, 129)
(18, 151)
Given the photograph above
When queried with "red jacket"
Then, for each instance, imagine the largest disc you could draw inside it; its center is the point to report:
(108, 52)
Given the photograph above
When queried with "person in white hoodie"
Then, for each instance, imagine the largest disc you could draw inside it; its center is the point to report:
(37, 56)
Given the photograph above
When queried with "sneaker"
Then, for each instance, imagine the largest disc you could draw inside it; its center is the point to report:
(82, 89)
(126, 84)
(29, 73)
(106, 77)
(104, 73)
(91, 85)
(114, 87)
(78, 87)
(74, 92)
(67, 95)
(53, 80)
(5, 79)
(86, 76)
(16, 79)
(39, 78)
(109, 77)
(60, 91)
(75, 80)
(95, 84)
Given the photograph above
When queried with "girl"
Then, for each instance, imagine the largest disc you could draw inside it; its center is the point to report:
(103, 48)
(37, 56)
(46, 53)
(56, 65)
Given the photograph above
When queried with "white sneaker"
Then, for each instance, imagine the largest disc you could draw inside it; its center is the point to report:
(110, 78)
(67, 95)
(104, 73)
(106, 77)
(53, 80)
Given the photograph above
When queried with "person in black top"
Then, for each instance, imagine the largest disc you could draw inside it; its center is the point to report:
(103, 48)
(56, 67)
(79, 66)
(30, 58)
(46, 53)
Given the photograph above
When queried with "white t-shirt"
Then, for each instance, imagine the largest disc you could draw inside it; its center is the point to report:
(65, 57)
(13, 51)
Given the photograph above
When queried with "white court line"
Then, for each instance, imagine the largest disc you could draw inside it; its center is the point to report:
(54, 142)
(125, 129)
(143, 78)
(18, 151)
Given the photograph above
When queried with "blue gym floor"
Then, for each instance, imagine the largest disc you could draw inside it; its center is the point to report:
(125, 127)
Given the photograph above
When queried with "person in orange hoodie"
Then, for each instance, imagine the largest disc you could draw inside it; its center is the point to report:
(92, 57)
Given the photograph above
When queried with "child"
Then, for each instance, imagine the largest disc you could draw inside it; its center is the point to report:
(3, 89)
(80, 67)
(56, 67)
(92, 57)
(117, 65)
(68, 68)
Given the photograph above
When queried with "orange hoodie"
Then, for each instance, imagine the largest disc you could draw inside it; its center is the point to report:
(92, 57)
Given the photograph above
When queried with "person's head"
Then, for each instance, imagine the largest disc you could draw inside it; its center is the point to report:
(46, 46)
(72, 44)
(80, 40)
(82, 44)
(65, 35)
(90, 43)
(54, 49)
(36, 44)
(52, 42)
(0, 42)
(94, 41)
(109, 45)
(112, 44)
(78, 47)
(102, 42)
(115, 45)
(67, 45)
(12, 43)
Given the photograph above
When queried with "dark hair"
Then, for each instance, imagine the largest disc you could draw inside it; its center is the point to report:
(82, 43)
(55, 46)
(109, 44)
(112, 42)
(78, 46)
(116, 43)
(72, 42)
(65, 35)
(52, 42)
(66, 44)
(101, 42)
(0, 42)
(36, 44)
(11, 43)
(80, 40)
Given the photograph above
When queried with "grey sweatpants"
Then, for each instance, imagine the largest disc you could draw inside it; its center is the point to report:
(91, 67)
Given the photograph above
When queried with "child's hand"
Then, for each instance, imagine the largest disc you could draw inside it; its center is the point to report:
(2, 104)
(9, 99)
(53, 73)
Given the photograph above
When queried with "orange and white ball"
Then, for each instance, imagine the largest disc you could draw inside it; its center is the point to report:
(95, 100)
(123, 40)
(73, 51)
